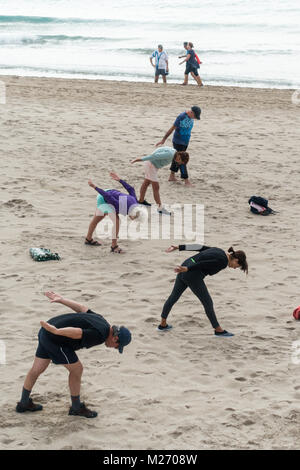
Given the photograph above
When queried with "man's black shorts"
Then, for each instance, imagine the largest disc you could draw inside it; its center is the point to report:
(58, 354)
(190, 68)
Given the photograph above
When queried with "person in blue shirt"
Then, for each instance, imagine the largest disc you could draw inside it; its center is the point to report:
(183, 127)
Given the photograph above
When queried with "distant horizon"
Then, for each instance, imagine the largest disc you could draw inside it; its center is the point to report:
(243, 44)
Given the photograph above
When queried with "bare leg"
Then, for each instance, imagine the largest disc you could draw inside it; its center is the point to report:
(114, 243)
(186, 79)
(156, 195)
(94, 222)
(38, 367)
(164, 79)
(143, 189)
(197, 78)
(75, 373)
(156, 79)
(77, 408)
(172, 176)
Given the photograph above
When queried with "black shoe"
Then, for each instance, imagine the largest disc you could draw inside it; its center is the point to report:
(164, 328)
(83, 411)
(29, 407)
(145, 203)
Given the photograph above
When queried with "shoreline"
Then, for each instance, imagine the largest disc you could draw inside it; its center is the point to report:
(122, 81)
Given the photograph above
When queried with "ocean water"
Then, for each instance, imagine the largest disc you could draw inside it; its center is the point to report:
(240, 42)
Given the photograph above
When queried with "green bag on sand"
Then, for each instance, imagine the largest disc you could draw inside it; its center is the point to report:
(42, 254)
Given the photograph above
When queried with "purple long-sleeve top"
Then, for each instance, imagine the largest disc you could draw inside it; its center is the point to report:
(120, 201)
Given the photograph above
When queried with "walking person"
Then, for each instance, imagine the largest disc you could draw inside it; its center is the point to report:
(192, 65)
(112, 202)
(186, 76)
(182, 129)
(191, 273)
(59, 338)
(161, 63)
(159, 158)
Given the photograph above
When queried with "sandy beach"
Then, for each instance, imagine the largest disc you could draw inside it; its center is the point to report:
(185, 389)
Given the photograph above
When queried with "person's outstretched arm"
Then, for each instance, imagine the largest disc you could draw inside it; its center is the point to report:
(188, 247)
(186, 59)
(125, 185)
(59, 299)
(169, 132)
(69, 332)
(107, 197)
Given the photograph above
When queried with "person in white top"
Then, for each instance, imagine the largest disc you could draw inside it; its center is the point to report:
(161, 63)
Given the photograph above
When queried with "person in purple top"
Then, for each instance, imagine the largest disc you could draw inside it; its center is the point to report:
(112, 202)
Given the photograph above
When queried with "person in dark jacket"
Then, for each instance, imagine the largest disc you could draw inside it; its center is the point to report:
(191, 65)
(59, 338)
(191, 273)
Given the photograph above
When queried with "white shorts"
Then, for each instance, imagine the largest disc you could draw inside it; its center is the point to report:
(150, 172)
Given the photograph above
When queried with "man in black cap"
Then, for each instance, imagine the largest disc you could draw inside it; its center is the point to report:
(59, 338)
(182, 126)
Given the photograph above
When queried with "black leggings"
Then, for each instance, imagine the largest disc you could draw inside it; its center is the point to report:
(195, 282)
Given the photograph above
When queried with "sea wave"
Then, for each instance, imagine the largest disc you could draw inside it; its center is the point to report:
(61, 72)
(167, 24)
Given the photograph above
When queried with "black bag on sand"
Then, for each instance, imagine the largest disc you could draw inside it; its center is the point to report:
(260, 201)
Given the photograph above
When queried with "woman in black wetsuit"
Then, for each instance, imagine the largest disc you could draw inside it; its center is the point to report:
(191, 273)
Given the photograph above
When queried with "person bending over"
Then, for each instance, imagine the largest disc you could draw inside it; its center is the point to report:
(159, 158)
(113, 203)
(191, 273)
(59, 338)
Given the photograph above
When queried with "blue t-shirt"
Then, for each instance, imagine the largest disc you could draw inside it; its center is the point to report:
(184, 125)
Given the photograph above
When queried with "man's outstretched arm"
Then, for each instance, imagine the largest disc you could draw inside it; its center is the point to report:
(169, 132)
(56, 298)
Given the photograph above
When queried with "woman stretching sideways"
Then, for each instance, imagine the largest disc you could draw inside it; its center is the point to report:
(191, 273)
(113, 203)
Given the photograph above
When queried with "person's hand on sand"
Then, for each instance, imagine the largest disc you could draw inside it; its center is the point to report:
(53, 297)
(91, 184)
(172, 248)
(180, 269)
(136, 160)
(114, 176)
(160, 143)
(51, 328)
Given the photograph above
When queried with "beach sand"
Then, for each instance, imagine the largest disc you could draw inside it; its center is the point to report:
(185, 389)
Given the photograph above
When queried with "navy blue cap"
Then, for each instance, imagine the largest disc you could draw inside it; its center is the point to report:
(124, 338)
(197, 111)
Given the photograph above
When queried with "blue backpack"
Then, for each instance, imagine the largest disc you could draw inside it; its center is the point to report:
(260, 201)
